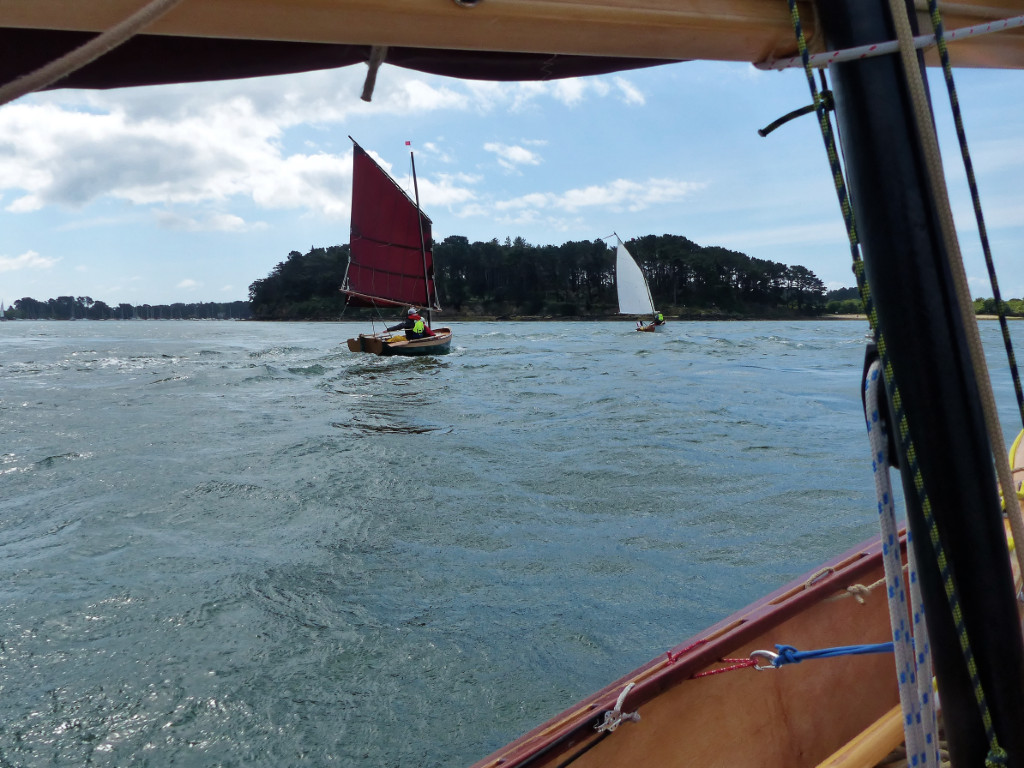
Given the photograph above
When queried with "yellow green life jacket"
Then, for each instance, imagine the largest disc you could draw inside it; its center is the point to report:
(418, 326)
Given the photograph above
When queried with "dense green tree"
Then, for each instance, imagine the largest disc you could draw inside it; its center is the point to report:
(84, 308)
(577, 278)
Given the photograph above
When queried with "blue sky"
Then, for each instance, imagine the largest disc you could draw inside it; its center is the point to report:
(190, 193)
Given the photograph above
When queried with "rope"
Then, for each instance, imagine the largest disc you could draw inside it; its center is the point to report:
(922, 112)
(890, 383)
(877, 49)
(918, 714)
(992, 420)
(732, 665)
(615, 717)
(925, 675)
(787, 654)
(378, 54)
(85, 54)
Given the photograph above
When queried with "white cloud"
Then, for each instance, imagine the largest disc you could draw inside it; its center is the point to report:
(630, 93)
(620, 194)
(511, 156)
(570, 92)
(225, 143)
(27, 260)
(212, 222)
(188, 283)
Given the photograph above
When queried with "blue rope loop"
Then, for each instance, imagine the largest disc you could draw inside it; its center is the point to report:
(790, 655)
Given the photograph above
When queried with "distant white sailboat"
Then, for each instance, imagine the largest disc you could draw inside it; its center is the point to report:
(634, 293)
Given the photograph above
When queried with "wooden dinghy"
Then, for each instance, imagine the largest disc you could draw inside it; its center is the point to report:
(398, 345)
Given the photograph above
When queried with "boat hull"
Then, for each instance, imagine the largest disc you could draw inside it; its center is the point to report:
(794, 716)
(398, 346)
(701, 704)
(650, 327)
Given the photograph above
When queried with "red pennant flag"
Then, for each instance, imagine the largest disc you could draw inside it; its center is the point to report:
(408, 143)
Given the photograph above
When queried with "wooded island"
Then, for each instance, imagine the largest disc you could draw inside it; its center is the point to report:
(516, 280)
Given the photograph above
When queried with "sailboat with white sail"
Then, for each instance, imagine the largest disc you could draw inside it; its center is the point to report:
(633, 291)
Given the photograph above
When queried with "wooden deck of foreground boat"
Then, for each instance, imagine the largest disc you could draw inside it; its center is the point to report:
(790, 717)
(774, 718)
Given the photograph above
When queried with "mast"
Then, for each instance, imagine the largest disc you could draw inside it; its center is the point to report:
(423, 243)
(897, 219)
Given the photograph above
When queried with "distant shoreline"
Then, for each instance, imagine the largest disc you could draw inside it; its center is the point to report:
(440, 321)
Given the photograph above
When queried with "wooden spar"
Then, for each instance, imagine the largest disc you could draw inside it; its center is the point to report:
(423, 243)
(725, 30)
(904, 257)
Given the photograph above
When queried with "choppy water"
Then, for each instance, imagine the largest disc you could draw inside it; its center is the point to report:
(238, 544)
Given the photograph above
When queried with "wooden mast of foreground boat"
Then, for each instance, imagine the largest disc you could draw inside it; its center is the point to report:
(918, 314)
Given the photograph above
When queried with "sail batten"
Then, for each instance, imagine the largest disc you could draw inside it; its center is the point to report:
(390, 259)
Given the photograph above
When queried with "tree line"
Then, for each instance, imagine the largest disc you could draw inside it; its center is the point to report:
(85, 308)
(575, 279)
(516, 279)
(846, 301)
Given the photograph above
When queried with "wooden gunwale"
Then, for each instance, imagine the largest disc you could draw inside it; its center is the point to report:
(574, 729)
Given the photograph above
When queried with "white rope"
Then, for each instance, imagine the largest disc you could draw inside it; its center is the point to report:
(877, 49)
(87, 53)
(911, 662)
(613, 718)
(922, 644)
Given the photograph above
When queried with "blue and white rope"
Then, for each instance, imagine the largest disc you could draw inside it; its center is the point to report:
(913, 666)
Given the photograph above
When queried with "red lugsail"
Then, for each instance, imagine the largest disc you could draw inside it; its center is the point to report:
(391, 263)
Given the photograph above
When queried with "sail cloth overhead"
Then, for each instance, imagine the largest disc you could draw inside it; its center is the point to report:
(160, 60)
(634, 295)
(391, 261)
(482, 39)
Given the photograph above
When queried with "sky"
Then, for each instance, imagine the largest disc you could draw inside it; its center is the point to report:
(189, 193)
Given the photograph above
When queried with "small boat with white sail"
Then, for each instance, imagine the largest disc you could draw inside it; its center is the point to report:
(633, 291)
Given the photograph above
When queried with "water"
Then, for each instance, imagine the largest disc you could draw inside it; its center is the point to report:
(238, 544)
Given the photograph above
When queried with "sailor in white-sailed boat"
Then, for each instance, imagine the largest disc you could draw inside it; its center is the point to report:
(415, 327)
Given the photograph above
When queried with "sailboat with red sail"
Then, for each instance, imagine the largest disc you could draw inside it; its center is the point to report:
(391, 263)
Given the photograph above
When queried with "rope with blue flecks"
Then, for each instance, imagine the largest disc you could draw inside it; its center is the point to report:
(911, 646)
(996, 756)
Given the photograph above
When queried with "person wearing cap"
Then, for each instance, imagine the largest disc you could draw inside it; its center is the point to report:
(415, 327)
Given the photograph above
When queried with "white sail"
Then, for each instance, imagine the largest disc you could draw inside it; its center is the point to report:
(634, 296)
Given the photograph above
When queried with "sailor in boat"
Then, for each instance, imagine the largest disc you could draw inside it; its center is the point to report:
(659, 319)
(415, 327)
